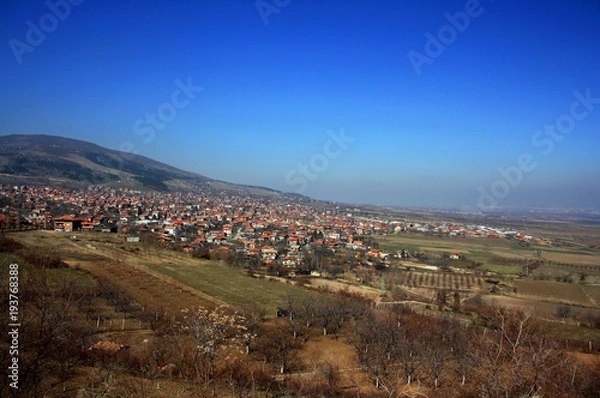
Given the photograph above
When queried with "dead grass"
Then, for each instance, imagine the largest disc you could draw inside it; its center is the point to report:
(593, 293)
(567, 293)
(160, 279)
(337, 352)
(230, 285)
(337, 287)
(569, 258)
(534, 307)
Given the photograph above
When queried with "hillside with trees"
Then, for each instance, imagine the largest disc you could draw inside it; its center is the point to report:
(84, 337)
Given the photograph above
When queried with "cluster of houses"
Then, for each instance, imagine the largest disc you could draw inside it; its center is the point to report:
(270, 229)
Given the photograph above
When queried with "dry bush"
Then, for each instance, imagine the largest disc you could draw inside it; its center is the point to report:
(41, 258)
(9, 245)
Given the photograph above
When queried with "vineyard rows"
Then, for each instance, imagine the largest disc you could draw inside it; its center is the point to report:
(439, 280)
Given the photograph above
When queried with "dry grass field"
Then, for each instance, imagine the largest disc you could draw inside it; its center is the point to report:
(230, 285)
(162, 279)
(337, 352)
(593, 292)
(471, 247)
(534, 307)
(572, 258)
(105, 260)
(567, 293)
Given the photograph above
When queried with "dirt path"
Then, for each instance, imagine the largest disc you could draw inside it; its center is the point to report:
(155, 292)
(337, 352)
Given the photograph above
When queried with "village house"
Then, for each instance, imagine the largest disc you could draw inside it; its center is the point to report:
(68, 224)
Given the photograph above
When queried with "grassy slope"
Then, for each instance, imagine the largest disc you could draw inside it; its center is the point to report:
(231, 285)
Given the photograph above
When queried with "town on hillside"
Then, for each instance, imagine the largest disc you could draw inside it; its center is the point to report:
(270, 234)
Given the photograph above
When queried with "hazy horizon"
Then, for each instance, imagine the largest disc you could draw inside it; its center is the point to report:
(465, 104)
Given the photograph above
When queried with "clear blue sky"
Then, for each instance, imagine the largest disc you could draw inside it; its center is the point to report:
(428, 123)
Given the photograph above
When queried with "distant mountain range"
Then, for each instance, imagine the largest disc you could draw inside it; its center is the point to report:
(65, 162)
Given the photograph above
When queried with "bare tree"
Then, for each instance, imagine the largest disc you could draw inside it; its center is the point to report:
(436, 348)
(239, 378)
(278, 346)
(377, 344)
(465, 353)
(409, 353)
(308, 310)
(212, 331)
(330, 314)
(253, 317)
(516, 355)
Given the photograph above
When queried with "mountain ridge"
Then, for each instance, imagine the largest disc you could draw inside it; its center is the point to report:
(40, 159)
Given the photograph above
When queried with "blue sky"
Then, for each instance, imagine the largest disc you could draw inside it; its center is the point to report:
(426, 122)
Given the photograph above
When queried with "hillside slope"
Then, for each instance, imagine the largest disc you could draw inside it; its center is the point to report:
(66, 162)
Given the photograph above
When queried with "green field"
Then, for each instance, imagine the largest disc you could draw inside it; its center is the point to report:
(568, 331)
(69, 275)
(390, 247)
(231, 285)
(474, 248)
(54, 276)
(227, 284)
(502, 269)
(503, 256)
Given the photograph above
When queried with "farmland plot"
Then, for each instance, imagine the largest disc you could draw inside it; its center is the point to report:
(571, 258)
(568, 293)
